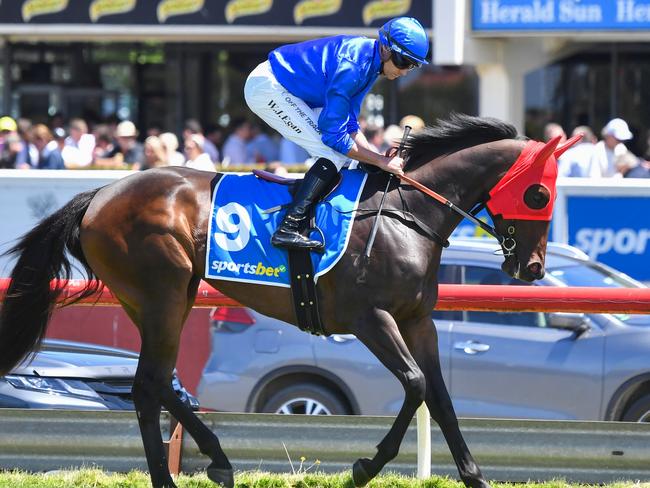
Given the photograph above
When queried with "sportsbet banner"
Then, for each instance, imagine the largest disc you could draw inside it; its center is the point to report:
(615, 231)
(307, 13)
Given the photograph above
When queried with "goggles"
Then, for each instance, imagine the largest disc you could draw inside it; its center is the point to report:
(402, 62)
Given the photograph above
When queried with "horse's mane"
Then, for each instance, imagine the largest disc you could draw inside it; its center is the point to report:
(457, 132)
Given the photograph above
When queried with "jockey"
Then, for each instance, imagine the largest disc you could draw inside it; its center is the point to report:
(311, 92)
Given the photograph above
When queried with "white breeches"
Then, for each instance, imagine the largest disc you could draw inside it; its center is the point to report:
(287, 114)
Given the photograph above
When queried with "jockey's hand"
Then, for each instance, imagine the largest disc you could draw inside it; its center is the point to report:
(394, 165)
(390, 152)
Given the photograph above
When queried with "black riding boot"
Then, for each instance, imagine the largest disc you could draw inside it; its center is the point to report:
(316, 180)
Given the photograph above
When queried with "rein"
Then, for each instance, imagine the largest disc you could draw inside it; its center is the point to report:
(507, 243)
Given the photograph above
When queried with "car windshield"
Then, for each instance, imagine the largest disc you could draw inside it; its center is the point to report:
(597, 274)
(589, 274)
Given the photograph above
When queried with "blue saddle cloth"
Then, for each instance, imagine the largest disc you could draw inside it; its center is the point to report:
(239, 232)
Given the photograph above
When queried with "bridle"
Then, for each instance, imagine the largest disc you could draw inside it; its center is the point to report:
(508, 243)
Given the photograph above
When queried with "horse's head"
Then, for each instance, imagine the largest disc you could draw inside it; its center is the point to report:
(521, 206)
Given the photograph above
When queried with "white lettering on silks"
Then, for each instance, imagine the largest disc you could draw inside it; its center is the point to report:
(629, 11)
(622, 241)
(284, 117)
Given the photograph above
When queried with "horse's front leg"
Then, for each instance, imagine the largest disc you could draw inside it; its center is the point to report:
(422, 340)
(378, 331)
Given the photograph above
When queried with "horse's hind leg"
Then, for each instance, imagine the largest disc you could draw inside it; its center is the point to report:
(379, 333)
(422, 340)
(220, 470)
(161, 328)
(160, 324)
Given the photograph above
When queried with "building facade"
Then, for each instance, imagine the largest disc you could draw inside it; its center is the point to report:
(575, 62)
(159, 62)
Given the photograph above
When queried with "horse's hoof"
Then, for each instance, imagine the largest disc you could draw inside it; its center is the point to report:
(359, 473)
(220, 476)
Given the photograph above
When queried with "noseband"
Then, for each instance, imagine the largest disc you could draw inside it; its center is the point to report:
(508, 244)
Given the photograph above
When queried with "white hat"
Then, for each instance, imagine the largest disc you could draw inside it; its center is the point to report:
(619, 129)
(126, 129)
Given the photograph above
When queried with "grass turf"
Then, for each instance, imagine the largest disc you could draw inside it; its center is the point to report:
(94, 478)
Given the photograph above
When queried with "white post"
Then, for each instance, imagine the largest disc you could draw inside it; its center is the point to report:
(424, 442)
(449, 31)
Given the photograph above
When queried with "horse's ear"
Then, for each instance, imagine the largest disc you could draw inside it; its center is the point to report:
(562, 148)
(547, 151)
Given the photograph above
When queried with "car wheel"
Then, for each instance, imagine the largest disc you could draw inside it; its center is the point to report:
(639, 411)
(305, 399)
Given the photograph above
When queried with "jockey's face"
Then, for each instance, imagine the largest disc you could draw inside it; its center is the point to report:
(389, 70)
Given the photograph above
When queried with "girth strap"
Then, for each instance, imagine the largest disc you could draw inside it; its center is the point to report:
(303, 292)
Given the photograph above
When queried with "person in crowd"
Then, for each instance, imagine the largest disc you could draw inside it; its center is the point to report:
(614, 134)
(196, 157)
(127, 150)
(154, 154)
(375, 137)
(214, 134)
(292, 153)
(630, 166)
(28, 156)
(153, 130)
(413, 121)
(261, 148)
(56, 120)
(8, 151)
(170, 145)
(12, 146)
(552, 130)
(193, 127)
(104, 142)
(392, 135)
(311, 92)
(79, 145)
(234, 148)
(49, 149)
(7, 126)
(578, 161)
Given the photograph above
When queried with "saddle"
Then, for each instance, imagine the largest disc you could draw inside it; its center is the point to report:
(273, 178)
(293, 183)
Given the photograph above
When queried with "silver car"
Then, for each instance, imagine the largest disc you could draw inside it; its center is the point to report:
(76, 375)
(496, 364)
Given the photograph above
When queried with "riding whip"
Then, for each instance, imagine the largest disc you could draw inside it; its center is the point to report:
(375, 225)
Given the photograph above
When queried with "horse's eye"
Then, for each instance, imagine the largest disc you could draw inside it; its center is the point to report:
(537, 197)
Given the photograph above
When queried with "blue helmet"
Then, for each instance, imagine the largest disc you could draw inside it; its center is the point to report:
(406, 36)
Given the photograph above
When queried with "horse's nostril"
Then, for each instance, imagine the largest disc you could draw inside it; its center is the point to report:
(535, 268)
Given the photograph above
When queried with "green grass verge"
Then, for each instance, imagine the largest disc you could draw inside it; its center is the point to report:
(94, 478)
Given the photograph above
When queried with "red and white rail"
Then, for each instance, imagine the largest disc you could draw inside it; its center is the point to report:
(455, 297)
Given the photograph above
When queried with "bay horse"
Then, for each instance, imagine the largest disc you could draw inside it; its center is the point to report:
(144, 237)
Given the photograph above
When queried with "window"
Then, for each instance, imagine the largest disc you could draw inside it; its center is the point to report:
(449, 274)
(480, 275)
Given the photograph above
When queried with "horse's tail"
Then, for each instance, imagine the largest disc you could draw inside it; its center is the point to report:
(41, 258)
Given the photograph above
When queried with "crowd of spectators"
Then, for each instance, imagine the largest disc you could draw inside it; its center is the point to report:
(120, 145)
(608, 157)
(117, 145)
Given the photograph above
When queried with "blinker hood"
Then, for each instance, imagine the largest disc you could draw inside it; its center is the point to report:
(536, 165)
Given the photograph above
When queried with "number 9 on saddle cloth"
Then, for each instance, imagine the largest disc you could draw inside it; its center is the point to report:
(245, 212)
